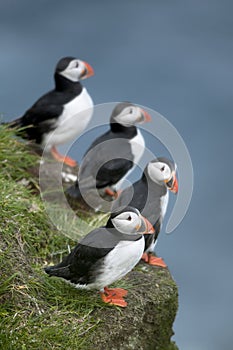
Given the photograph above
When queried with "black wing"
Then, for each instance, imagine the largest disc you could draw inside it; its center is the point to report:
(106, 163)
(49, 106)
(85, 261)
(108, 135)
(108, 175)
(40, 121)
(81, 265)
(135, 195)
(42, 117)
(112, 172)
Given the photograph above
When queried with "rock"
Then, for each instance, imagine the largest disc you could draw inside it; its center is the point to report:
(146, 323)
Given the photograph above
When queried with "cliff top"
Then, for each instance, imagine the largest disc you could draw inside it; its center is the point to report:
(39, 312)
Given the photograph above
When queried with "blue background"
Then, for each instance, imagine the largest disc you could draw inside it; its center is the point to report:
(172, 56)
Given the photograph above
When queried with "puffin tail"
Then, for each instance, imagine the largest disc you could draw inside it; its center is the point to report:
(19, 129)
(58, 271)
(17, 123)
(74, 191)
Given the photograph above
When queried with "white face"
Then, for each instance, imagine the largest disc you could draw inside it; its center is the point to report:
(127, 222)
(74, 70)
(130, 116)
(159, 172)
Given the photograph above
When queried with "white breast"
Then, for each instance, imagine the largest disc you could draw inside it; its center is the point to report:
(119, 262)
(74, 119)
(164, 203)
(137, 148)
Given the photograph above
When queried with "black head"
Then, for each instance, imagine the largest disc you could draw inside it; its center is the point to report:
(63, 63)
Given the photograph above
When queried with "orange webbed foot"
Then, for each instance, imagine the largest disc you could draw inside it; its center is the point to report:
(153, 260)
(114, 296)
(120, 292)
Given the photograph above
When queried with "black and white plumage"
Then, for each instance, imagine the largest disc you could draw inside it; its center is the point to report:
(112, 155)
(106, 254)
(150, 196)
(62, 113)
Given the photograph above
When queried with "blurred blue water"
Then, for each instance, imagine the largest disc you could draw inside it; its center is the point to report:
(172, 56)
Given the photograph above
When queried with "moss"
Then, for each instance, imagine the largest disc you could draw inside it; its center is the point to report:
(38, 312)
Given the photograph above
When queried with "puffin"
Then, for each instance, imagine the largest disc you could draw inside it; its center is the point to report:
(61, 114)
(105, 255)
(150, 195)
(113, 155)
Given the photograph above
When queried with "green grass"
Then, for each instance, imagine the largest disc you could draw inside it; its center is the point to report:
(14, 160)
(37, 312)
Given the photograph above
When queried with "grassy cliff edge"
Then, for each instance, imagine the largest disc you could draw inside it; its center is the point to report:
(38, 312)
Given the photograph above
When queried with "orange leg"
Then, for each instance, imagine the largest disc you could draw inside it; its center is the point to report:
(150, 259)
(112, 193)
(64, 159)
(114, 296)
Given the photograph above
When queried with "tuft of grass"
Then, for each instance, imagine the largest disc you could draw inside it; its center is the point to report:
(14, 160)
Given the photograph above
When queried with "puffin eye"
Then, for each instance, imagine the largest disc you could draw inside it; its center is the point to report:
(76, 65)
(129, 218)
(163, 168)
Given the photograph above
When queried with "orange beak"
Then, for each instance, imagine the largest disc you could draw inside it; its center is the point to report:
(149, 229)
(88, 71)
(146, 115)
(175, 185)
